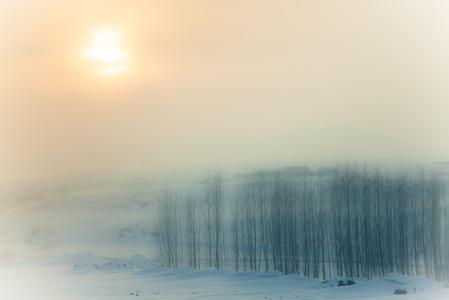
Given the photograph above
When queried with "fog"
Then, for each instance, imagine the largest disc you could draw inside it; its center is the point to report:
(307, 138)
(222, 84)
(209, 85)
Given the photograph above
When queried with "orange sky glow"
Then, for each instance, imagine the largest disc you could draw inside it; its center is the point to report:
(118, 86)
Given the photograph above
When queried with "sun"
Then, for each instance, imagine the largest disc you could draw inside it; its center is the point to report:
(107, 53)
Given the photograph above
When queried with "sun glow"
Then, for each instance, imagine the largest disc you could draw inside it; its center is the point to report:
(106, 51)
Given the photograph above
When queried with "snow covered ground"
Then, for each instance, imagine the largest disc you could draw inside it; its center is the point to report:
(86, 277)
(117, 219)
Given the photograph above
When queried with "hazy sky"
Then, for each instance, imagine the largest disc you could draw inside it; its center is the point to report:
(222, 83)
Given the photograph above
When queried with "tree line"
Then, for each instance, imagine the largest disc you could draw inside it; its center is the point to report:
(352, 222)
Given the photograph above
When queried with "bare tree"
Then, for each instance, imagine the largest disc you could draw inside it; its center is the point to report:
(191, 233)
(168, 231)
(351, 222)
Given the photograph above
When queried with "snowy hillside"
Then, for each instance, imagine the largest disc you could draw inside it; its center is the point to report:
(87, 277)
(117, 219)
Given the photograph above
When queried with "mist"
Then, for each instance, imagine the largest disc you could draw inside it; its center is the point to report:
(254, 83)
(235, 88)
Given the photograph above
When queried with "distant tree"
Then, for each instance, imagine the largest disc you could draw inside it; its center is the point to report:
(168, 229)
(350, 222)
(191, 233)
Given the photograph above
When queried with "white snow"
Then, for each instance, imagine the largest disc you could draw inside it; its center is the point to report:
(117, 219)
(87, 277)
